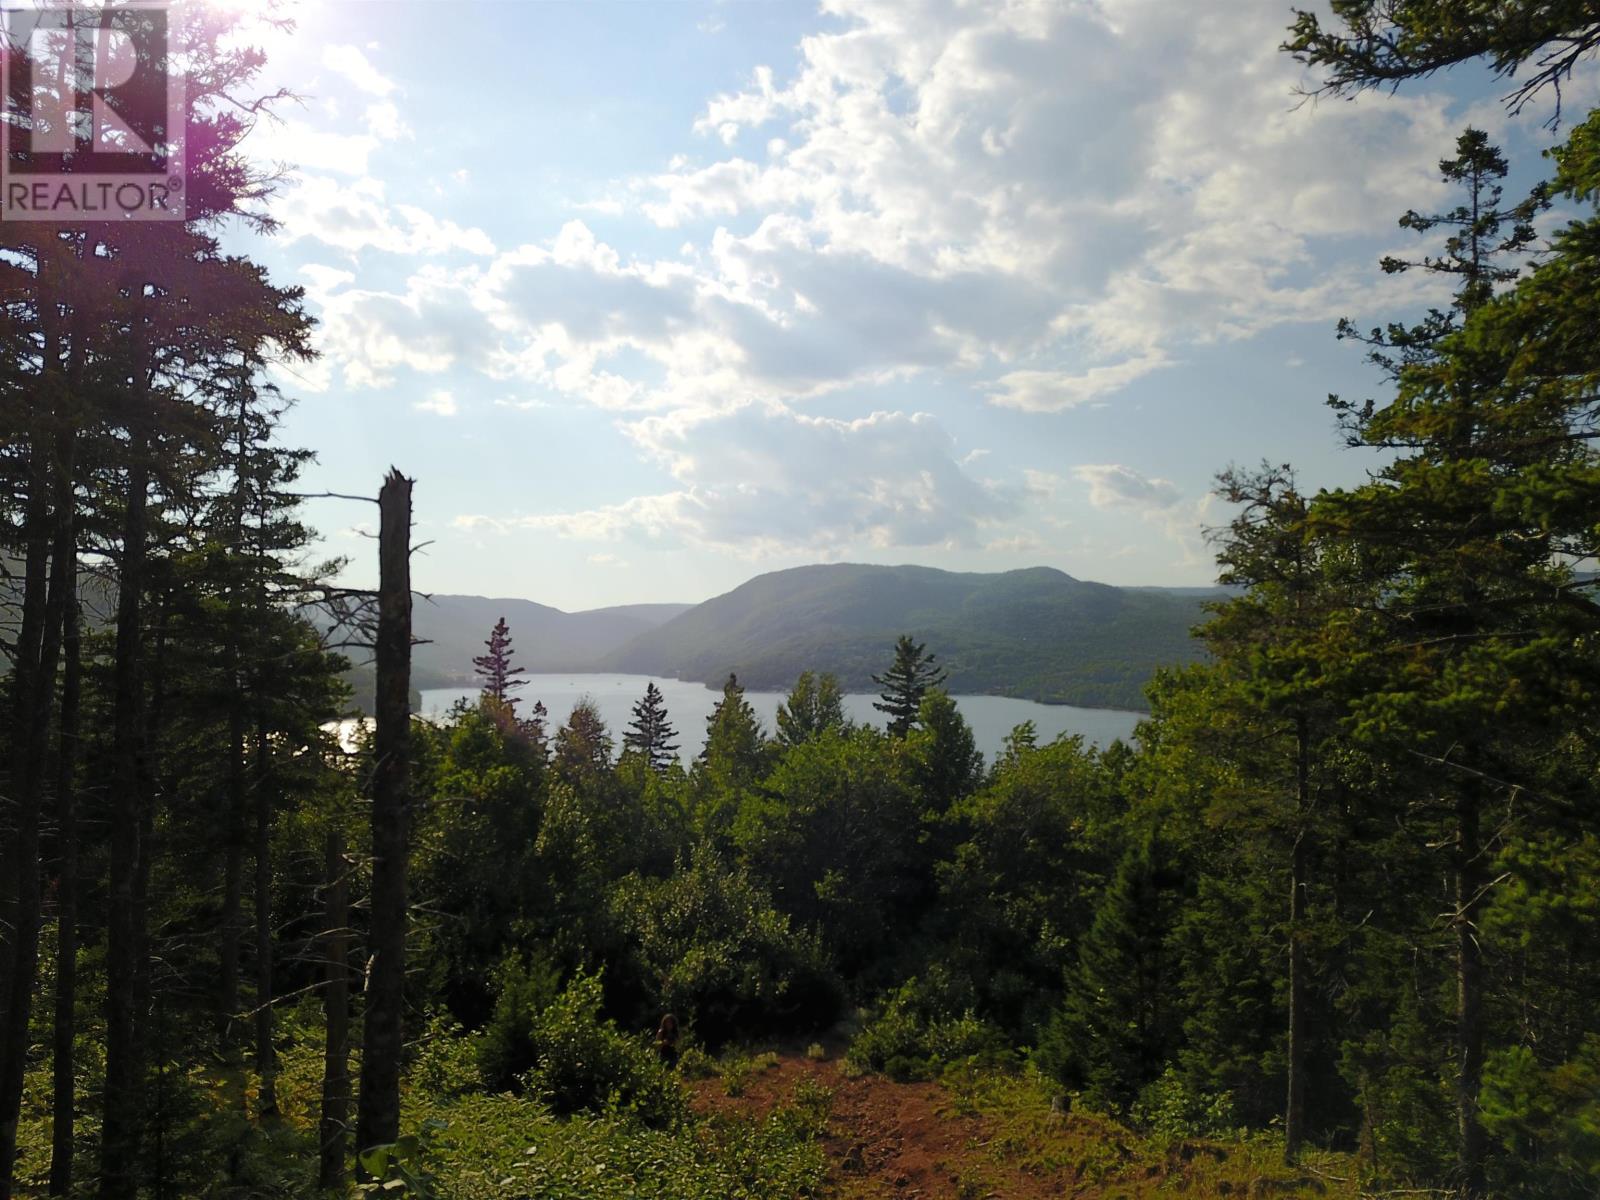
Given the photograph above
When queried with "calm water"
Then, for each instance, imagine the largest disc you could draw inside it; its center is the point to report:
(689, 704)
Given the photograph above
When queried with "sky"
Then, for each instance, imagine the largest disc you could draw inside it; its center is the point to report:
(650, 298)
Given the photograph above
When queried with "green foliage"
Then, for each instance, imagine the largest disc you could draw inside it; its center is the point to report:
(735, 750)
(1546, 1119)
(919, 1031)
(837, 830)
(508, 1045)
(948, 765)
(507, 1148)
(1117, 1025)
(707, 944)
(814, 704)
(584, 1063)
(1169, 1107)
(905, 683)
(1026, 856)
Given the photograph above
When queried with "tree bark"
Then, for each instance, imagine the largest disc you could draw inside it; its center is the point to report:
(333, 1126)
(63, 1101)
(124, 1090)
(378, 1113)
(39, 705)
(1469, 997)
(266, 1057)
(233, 869)
(1294, 1109)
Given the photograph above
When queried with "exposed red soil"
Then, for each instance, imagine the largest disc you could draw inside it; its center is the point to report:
(887, 1139)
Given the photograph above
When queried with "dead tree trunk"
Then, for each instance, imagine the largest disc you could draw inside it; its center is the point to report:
(378, 1112)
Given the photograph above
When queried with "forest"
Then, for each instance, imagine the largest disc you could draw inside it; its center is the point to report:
(1331, 919)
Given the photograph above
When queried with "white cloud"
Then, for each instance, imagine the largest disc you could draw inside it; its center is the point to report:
(440, 402)
(765, 480)
(1112, 485)
(355, 216)
(1159, 502)
(352, 63)
(1053, 391)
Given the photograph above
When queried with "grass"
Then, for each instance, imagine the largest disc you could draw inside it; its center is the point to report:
(1027, 1134)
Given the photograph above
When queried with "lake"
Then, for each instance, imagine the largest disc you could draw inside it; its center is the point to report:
(689, 704)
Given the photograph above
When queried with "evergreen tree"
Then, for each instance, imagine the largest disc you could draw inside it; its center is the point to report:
(735, 749)
(582, 745)
(949, 765)
(814, 704)
(1466, 529)
(495, 669)
(1117, 1024)
(904, 684)
(650, 733)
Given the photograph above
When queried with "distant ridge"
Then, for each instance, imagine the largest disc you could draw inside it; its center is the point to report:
(1035, 634)
(544, 638)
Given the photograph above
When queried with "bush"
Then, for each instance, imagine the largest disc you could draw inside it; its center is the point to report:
(708, 945)
(1170, 1108)
(915, 1036)
(448, 1061)
(506, 1048)
(585, 1063)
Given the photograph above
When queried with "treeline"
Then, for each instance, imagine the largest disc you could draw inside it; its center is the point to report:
(1343, 886)
(150, 751)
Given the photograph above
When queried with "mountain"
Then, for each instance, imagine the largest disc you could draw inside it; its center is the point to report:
(544, 638)
(1035, 634)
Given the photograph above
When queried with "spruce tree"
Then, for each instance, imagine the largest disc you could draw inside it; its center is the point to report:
(650, 733)
(1117, 1024)
(495, 669)
(904, 684)
(735, 746)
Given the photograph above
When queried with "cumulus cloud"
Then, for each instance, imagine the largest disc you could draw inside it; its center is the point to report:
(369, 337)
(1052, 391)
(353, 64)
(764, 480)
(1113, 486)
(355, 216)
(1045, 203)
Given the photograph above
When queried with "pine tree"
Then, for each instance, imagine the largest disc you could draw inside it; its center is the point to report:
(650, 733)
(495, 669)
(904, 684)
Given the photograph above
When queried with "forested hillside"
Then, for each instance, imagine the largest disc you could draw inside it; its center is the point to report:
(450, 631)
(1035, 634)
(1328, 925)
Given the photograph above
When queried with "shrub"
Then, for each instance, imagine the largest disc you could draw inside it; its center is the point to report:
(708, 945)
(1170, 1108)
(915, 1035)
(586, 1063)
(506, 1049)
